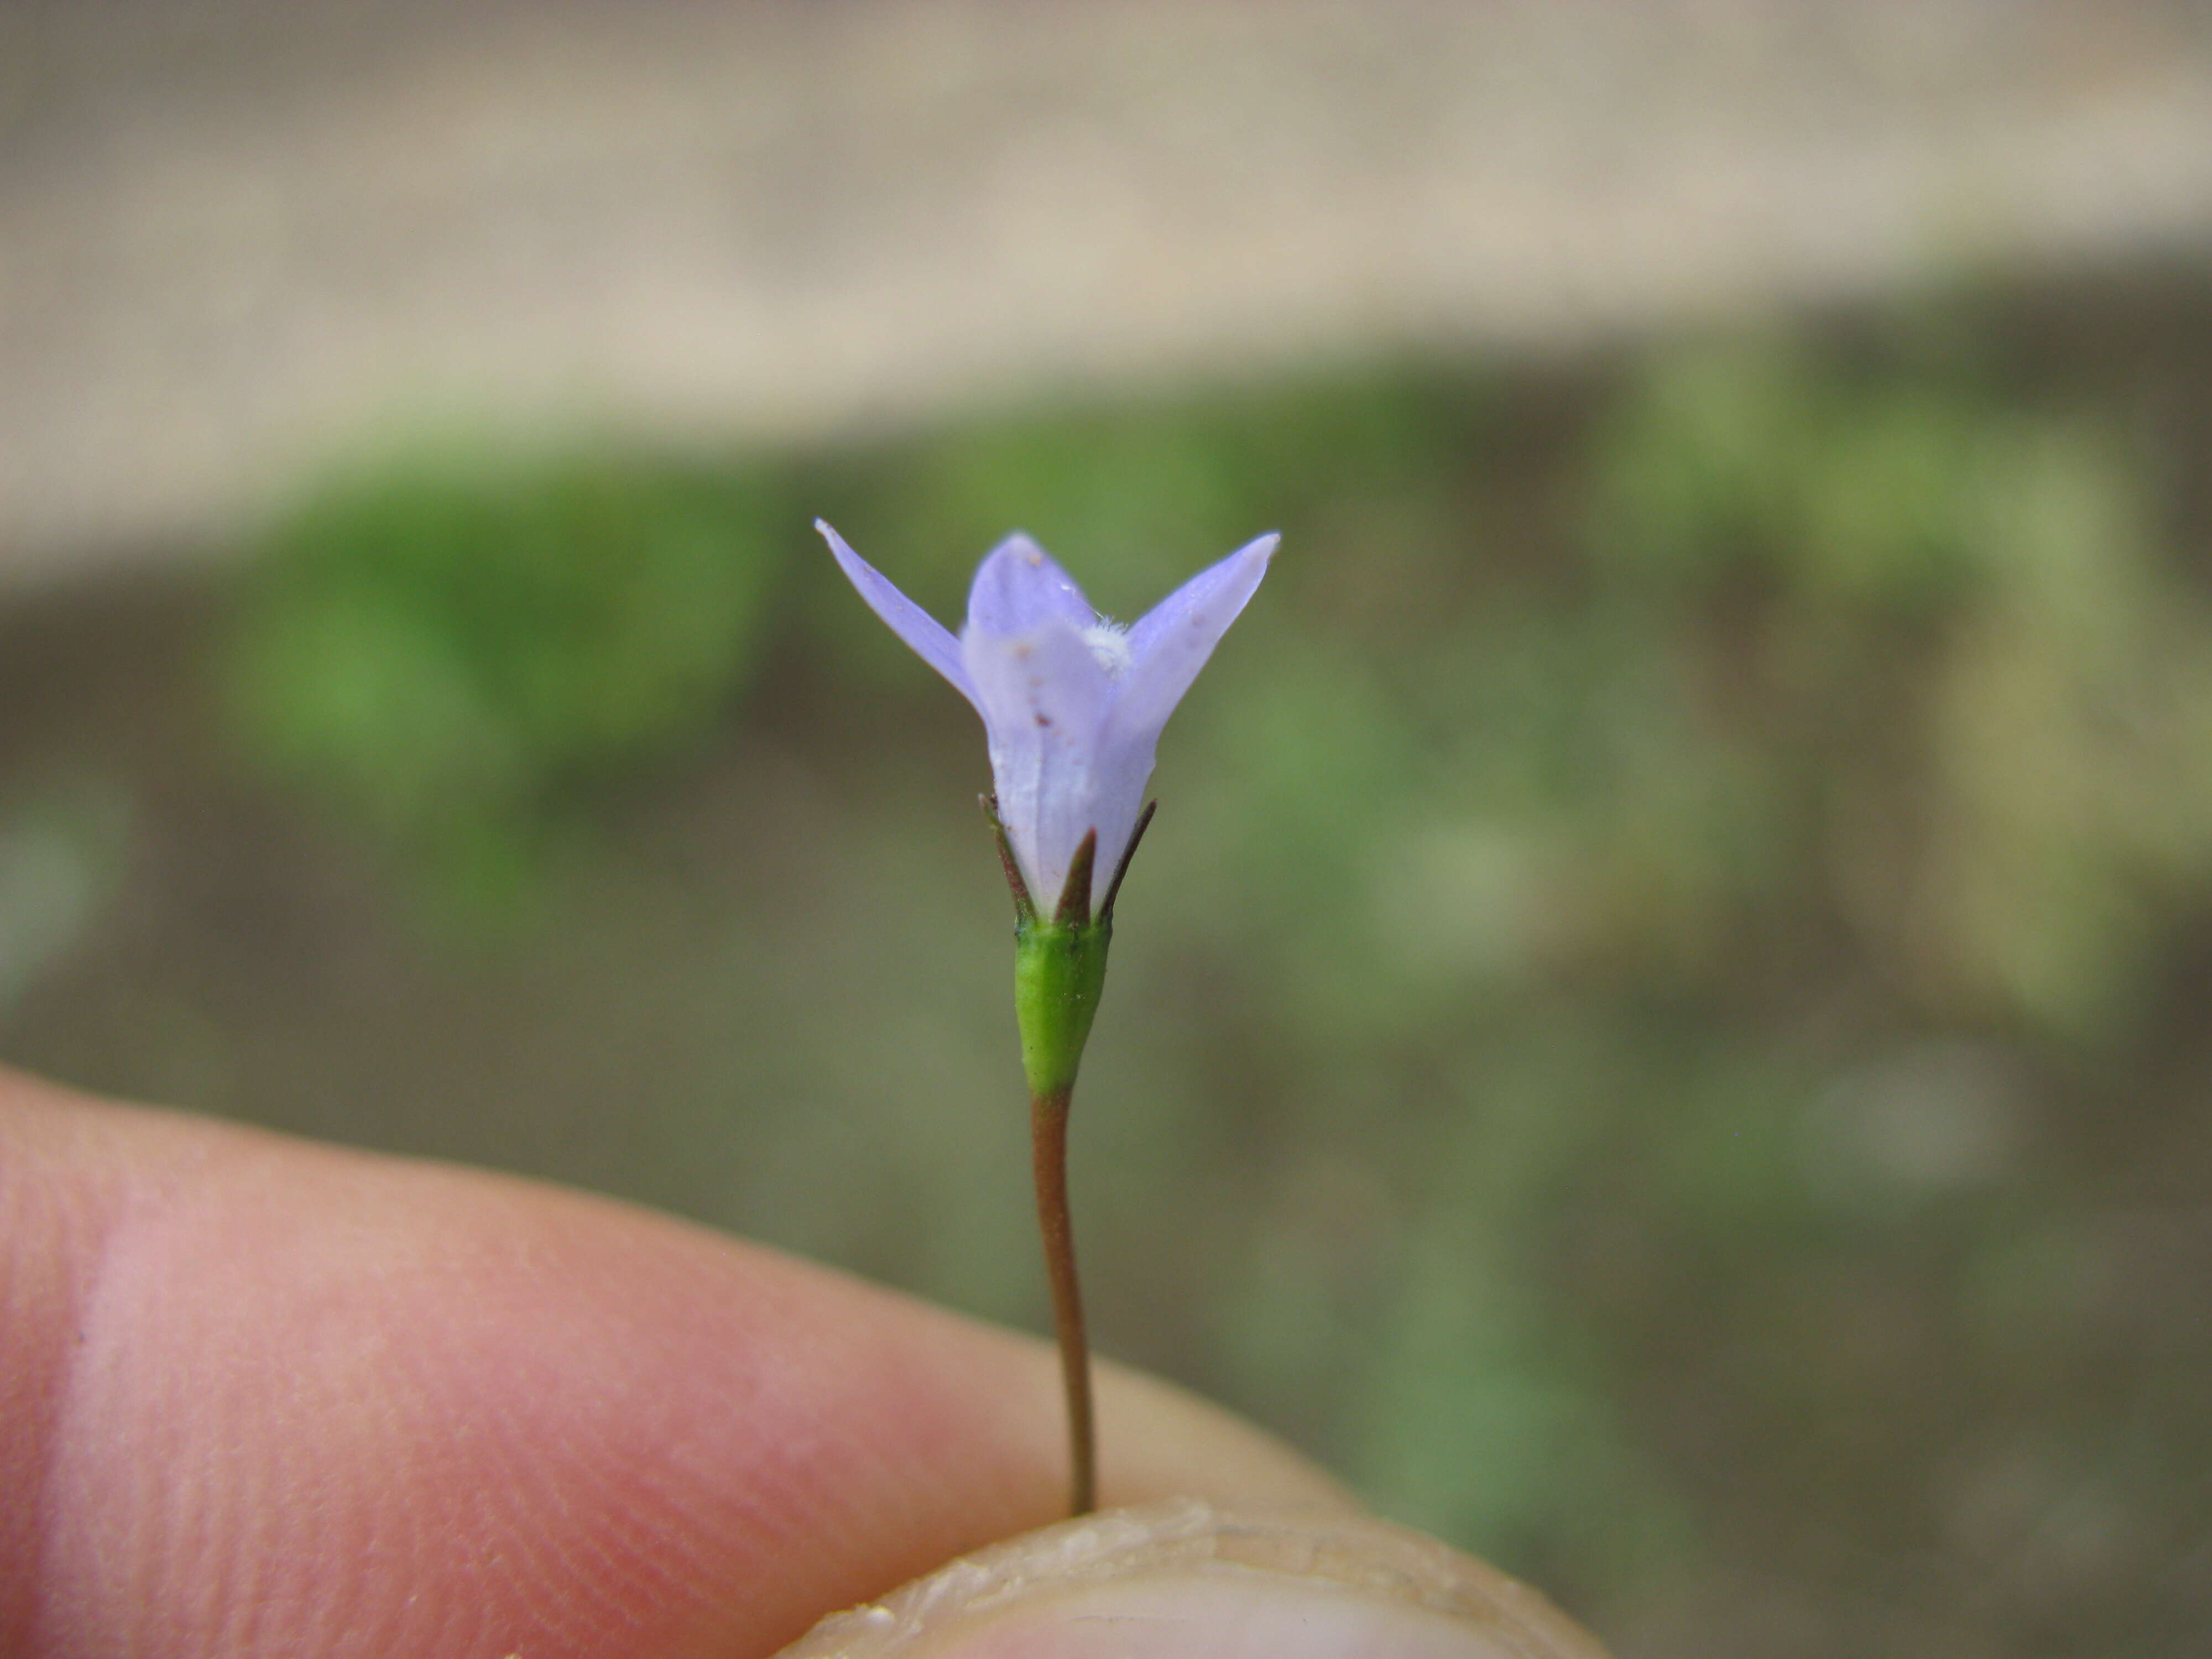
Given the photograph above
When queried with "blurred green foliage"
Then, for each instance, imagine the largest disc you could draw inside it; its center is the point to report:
(1958, 658)
(448, 641)
(1631, 903)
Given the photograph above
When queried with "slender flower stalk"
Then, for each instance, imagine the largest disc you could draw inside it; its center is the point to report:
(1073, 706)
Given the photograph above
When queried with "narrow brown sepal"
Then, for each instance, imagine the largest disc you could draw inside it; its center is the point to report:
(1075, 897)
(1025, 906)
(1114, 887)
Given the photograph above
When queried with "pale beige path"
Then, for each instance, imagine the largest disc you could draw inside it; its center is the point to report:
(235, 236)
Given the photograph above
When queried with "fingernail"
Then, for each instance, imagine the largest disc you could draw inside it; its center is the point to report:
(1188, 1580)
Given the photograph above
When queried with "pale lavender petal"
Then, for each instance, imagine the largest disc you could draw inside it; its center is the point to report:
(931, 639)
(1019, 587)
(1044, 697)
(1119, 768)
(1072, 709)
(1171, 644)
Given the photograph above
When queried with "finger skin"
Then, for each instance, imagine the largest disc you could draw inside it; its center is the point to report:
(258, 1396)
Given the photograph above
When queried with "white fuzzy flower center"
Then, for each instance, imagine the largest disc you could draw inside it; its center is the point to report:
(1110, 646)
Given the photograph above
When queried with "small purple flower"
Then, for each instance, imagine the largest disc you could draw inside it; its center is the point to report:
(1072, 704)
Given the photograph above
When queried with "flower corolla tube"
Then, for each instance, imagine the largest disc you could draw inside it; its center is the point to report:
(1072, 704)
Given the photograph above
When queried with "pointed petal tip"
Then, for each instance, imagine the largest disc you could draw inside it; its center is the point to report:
(839, 547)
(928, 638)
(1019, 585)
(1017, 547)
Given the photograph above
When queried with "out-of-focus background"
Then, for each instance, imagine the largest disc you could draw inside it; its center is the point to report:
(1661, 1030)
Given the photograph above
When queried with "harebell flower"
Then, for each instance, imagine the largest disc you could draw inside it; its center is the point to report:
(1072, 705)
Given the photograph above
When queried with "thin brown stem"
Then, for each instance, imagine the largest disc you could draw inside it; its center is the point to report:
(1048, 1147)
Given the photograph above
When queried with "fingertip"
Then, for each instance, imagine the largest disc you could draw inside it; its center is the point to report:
(1187, 1579)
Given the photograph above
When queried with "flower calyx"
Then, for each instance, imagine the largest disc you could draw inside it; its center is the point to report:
(1059, 961)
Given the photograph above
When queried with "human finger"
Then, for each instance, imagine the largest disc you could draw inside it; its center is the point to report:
(264, 1396)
